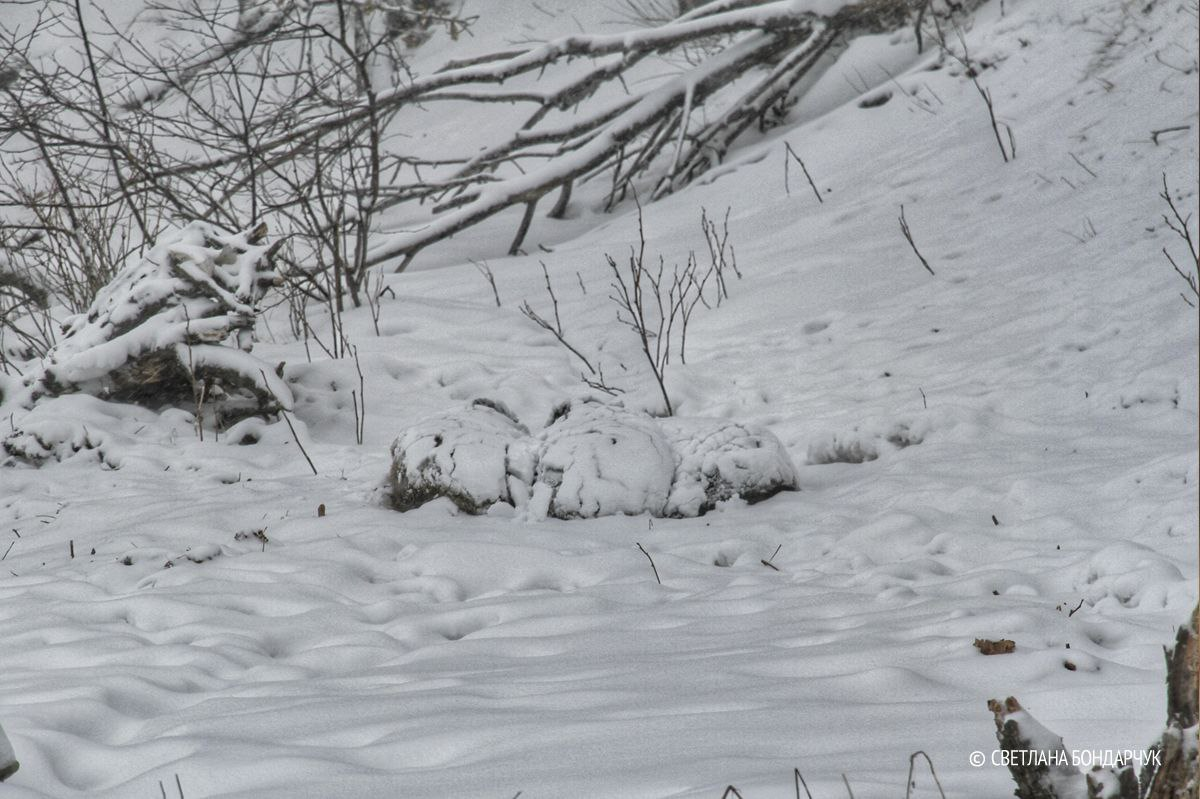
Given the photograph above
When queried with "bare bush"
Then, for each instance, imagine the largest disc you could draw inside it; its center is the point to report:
(657, 306)
(1179, 225)
(654, 303)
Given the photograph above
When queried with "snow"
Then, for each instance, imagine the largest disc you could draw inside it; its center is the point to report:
(1030, 410)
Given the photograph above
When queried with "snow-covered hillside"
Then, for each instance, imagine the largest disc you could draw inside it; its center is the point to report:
(1003, 449)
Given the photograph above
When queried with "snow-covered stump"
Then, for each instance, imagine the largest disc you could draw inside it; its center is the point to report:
(1041, 769)
(597, 460)
(175, 329)
(1040, 766)
(462, 455)
(717, 460)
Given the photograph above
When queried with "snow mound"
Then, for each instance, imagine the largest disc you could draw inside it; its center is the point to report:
(1130, 573)
(63, 427)
(42, 440)
(461, 455)
(175, 327)
(867, 441)
(596, 460)
(590, 460)
(717, 460)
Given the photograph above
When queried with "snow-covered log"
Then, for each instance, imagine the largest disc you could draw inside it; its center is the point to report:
(609, 137)
(590, 460)
(596, 460)
(175, 328)
(462, 455)
(716, 460)
(679, 126)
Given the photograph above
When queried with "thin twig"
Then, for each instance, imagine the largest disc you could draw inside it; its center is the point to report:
(986, 94)
(652, 566)
(800, 161)
(1180, 227)
(283, 413)
(1154, 134)
(1082, 165)
(486, 271)
(912, 762)
(847, 782)
(555, 328)
(800, 781)
(360, 401)
(908, 235)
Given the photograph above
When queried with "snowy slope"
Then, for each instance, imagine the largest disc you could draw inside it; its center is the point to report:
(1024, 421)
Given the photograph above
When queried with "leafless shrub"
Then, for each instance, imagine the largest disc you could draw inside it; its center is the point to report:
(655, 303)
(1180, 226)
(594, 376)
(26, 327)
(658, 306)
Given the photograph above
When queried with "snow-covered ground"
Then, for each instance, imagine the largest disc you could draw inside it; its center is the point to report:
(1004, 449)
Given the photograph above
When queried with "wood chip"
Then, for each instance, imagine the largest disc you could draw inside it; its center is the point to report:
(1000, 647)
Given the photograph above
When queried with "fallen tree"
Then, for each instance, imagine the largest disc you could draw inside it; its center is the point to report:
(288, 112)
(174, 329)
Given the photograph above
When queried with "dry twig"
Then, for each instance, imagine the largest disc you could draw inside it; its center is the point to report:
(908, 235)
